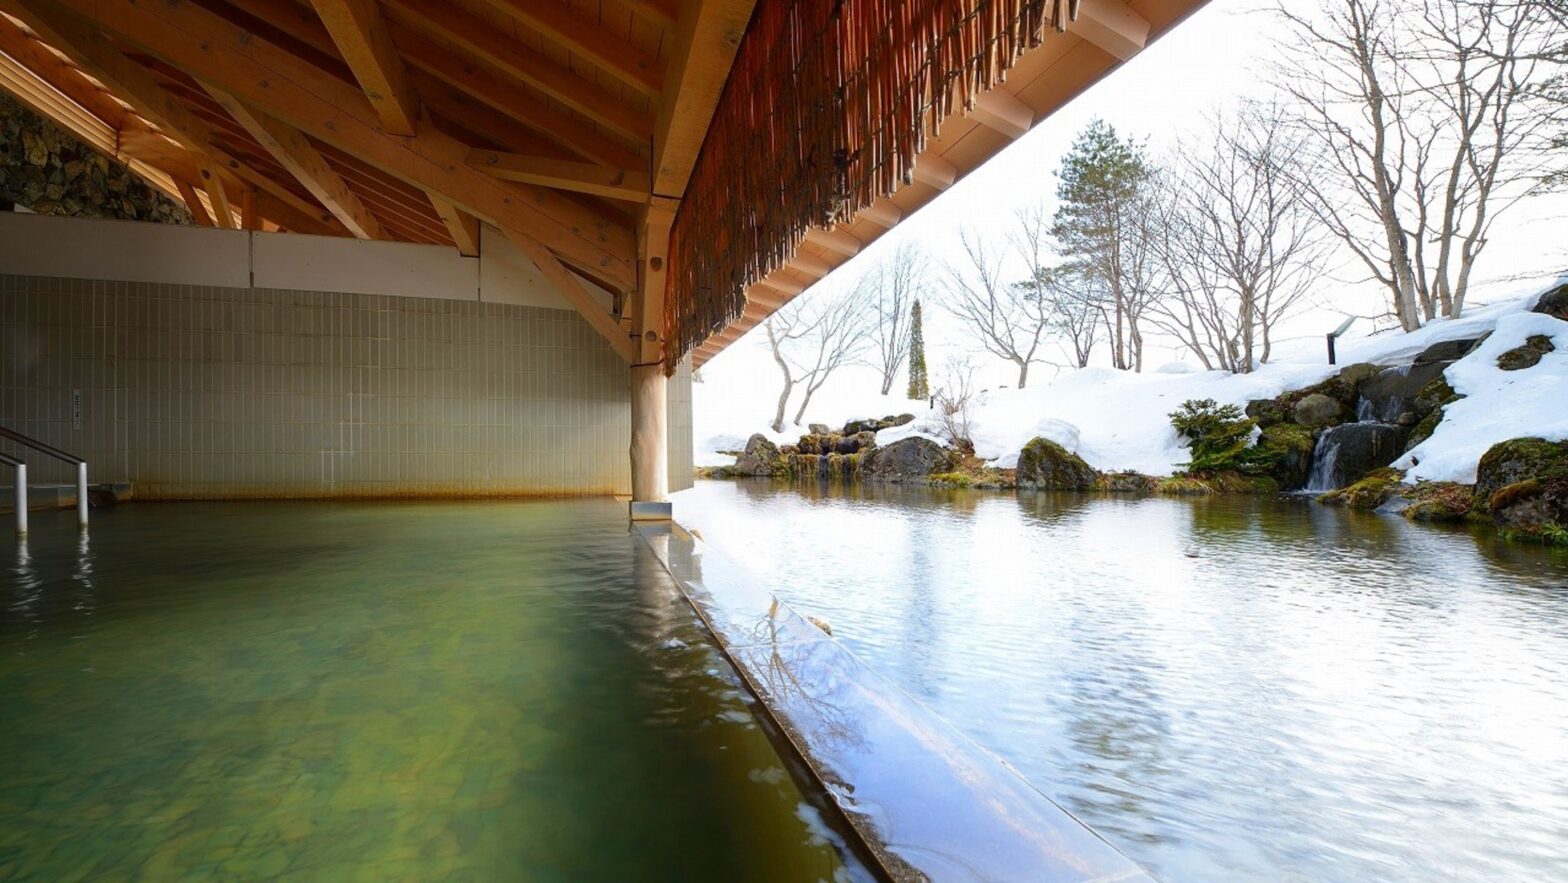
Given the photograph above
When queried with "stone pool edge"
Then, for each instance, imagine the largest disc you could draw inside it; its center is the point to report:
(925, 801)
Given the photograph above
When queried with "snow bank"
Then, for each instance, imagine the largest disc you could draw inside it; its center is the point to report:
(1498, 405)
(1119, 420)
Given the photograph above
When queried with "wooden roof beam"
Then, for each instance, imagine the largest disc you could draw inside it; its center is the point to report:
(563, 174)
(281, 84)
(576, 295)
(558, 23)
(934, 171)
(883, 213)
(193, 203)
(362, 39)
(707, 36)
(463, 227)
(499, 50)
(835, 241)
(513, 101)
(1111, 25)
(295, 153)
(1001, 112)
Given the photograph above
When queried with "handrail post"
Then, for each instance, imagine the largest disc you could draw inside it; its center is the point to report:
(81, 494)
(21, 499)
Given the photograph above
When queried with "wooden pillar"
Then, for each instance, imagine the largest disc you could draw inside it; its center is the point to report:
(650, 444)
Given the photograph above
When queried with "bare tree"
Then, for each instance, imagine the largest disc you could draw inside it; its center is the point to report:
(1421, 126)
(811, 338)
(1009, 319)
(1076, 311)
(896, 283)
(954, 403)
(1240, 244)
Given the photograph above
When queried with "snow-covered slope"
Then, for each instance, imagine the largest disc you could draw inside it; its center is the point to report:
(1119, 420)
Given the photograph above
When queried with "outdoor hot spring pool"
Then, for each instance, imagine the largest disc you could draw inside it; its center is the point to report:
(469, 691)
(1227, 688)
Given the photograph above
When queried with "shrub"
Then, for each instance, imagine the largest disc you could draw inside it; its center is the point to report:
(1219, 435)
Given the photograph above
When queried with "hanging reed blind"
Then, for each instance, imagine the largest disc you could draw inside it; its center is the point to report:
(825, 109)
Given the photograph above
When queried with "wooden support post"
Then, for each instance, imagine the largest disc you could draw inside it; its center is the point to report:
(650, 444)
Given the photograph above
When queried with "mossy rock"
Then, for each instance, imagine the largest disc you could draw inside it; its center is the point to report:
(1431, 401)
(1126, 483)
(951, 480)
(1046, 465)
(913, 457)
(1343, 387)
(1534, 510)
(1527, 354)
(1267, 412)
(1513, 461)
(1439, 501)
(857, 426)
(1372, 491)
(1317, 410)
(1285, 454)
(1183, 486)
(1554, 303)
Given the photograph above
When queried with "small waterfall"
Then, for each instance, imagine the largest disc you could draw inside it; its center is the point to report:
(1349, 451)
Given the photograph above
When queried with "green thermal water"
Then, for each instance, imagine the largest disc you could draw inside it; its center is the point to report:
(382, 691)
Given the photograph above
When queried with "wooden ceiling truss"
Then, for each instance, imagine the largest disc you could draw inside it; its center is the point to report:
(572, 126)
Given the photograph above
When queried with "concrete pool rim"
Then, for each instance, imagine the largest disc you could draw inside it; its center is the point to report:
(923, 800)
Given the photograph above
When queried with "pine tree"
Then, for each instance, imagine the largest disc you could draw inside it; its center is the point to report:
(919, 380)
(1102, 197)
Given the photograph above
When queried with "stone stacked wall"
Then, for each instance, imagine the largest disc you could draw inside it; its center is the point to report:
(46, 169)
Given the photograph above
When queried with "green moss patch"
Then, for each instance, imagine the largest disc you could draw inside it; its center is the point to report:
(1377, 488)
(1441, 501)
(1526, 355)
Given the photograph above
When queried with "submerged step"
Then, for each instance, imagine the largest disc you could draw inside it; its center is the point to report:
(927, 802)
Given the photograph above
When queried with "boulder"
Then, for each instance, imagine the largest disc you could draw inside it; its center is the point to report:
(818, 429)
(1514, 461)
(1286, 454)
(909, 458)
(1267, 412)
(1434, 397)
(1527, 354)
(1446, 351)
(854, 427)
(1554, 303)
(1317, 409)
(1348, 452)
(1046, 465)
(1391, 393)
(761, 457)
(1372, 491)
(1533, 509)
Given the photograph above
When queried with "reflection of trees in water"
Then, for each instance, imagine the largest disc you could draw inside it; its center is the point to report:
(1119, 723)
(919, 619)
(830, 724)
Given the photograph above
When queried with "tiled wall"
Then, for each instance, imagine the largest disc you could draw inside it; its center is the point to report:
(194, 391)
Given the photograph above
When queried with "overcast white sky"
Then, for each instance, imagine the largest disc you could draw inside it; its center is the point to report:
(1215, 57)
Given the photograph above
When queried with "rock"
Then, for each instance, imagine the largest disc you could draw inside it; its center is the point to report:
(1286, 454)
(1267, 412)
(1346, 453)
(854, 427)
(1370, 492)
(761, 457)
(1046, 465)
(909, 458)
(1317, 409)
(1431, 401)
(1554, 303)
(1126, 483)
(1439, 501)
(1516, 460)
(1534, 509)
(818, 429)
(1526, 355)
(1393, 391)
(1446, 351)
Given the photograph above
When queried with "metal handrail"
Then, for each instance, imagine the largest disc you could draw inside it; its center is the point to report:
(21, 476)
(39, 446)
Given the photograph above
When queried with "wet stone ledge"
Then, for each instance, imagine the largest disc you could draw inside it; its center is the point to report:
(926, 802)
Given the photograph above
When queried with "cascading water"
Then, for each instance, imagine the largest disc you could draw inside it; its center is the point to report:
(1349, 451)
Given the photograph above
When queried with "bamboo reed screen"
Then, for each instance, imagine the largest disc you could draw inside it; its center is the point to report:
(825, 109)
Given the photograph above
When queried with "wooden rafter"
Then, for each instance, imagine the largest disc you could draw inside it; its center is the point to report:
(295, 153)
(485, 43)
(578, 296)
(463, 227)
(706, 38)
(493, 89)
(267, 77)
(193, 203)
(615, 56)
(366, 46)
(580, 177)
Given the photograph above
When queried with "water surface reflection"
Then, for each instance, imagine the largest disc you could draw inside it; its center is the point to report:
(1226, 688)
